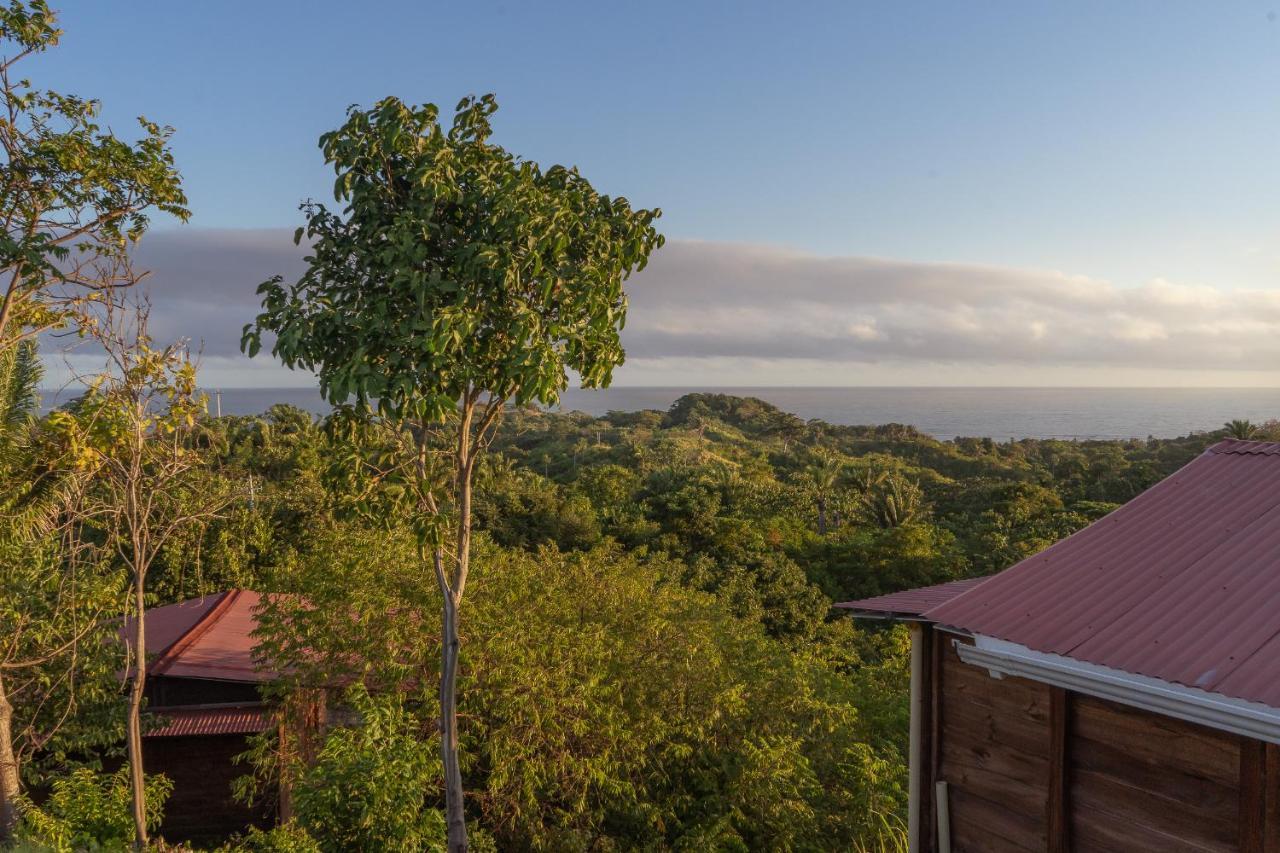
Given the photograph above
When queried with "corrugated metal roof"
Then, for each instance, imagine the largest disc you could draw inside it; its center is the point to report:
(188, 720)
(910, 602)
(165, 625)
(209, 637)
(1182, 583)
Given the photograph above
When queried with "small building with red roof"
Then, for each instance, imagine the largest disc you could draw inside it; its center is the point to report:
(203, 703)
(1118, 691)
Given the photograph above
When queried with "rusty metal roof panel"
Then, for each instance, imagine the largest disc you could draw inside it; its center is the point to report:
(197, 720)
(209, 637)
(166, 625)
(910, 602)
(221, 646)
(1182, 583)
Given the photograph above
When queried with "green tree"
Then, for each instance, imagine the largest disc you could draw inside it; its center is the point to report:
(88, 811)
(607, 707)
(58, 658)
(1240, 429)
(889, 499)
(134, 433)
(73, 195)
(821, 479)
(456, 278)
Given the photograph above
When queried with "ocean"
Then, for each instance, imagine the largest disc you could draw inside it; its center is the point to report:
(999, 413)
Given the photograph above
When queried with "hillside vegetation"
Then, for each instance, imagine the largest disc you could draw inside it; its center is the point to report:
(651, 660)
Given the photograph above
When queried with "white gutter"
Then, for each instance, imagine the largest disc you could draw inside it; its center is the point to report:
(1001, 658)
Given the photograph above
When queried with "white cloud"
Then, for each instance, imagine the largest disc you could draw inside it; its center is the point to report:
(752, 302)
(725, 314)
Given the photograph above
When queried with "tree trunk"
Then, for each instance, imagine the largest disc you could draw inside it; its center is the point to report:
(454, 817)
(134, 735)
(9, 786)
(822, 517)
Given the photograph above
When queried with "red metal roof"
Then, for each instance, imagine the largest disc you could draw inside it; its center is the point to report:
(910, 602)
(209, 637)
(1182, 583)
(166, 624)
(187, 720)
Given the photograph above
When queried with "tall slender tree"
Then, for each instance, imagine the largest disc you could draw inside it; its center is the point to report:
(456, 278)
(136, 425)
(822, 478)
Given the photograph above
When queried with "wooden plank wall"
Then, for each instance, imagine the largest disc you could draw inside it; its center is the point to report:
(201, 807)
(1032, 767)
(1143, 781)
(993, 753)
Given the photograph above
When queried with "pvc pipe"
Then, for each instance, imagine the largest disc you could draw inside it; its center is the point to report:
(944, 819)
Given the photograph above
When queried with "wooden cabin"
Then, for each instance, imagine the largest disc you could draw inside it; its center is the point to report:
(203, 704)
(1120, 690)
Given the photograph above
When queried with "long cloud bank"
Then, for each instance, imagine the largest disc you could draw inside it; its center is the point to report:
(708, 312)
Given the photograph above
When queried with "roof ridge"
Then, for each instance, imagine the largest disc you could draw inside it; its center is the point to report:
(1245, 446)
(207, 620)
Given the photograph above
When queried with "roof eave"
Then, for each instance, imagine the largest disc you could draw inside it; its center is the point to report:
(882, 615)
(1224, 713)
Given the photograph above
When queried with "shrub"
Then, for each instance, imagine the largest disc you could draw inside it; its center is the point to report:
(288, 838)
(90, 811)
(367, 788)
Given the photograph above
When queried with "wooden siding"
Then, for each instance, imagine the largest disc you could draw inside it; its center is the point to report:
(1030, 767)
(1139, 777)
(201, 807)
(994, 739)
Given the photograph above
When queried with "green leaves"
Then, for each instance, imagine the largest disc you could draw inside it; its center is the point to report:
(368, 787)
(607, 706)
(31, 25)
(90, 811)
(453, 268)
(77, 194)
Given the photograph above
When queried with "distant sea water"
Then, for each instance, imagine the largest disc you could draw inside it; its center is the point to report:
(999, 413)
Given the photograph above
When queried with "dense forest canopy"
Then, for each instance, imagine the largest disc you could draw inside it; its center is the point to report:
(654, 660)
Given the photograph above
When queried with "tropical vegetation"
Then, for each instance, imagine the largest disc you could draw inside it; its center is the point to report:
(646, 658)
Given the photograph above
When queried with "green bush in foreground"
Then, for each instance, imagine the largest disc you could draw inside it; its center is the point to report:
(367, 788)
(89, 811)
(287, 838)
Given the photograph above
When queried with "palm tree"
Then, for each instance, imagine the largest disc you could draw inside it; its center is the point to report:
(19, 374)
(889, 500)
(34, 493)
(1243, 430)
(822, 477)
(31, 503)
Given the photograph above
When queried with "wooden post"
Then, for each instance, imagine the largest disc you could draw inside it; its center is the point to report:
(1057, 808)
(301, 731)
(928, 662)
(284, 802)
(1253, 795)
(920, 757)
(937, 662)
(1271, 798)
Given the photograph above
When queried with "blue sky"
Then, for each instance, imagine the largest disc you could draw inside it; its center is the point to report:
(1123, 143)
